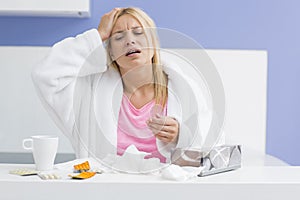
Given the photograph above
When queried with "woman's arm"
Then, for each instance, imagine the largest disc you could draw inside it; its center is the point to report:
(55, 76)
(72, 63)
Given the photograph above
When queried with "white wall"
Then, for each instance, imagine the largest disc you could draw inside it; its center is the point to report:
(21, 113)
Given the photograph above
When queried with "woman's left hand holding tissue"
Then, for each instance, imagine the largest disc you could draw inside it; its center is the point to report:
(165, 128)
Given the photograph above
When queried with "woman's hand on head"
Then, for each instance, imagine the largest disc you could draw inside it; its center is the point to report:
(165, 128)
(106, 24)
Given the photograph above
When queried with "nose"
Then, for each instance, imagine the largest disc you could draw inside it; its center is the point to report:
(130, 43)
(130, 40)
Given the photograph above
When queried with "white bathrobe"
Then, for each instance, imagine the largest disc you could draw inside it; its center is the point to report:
(83, 97)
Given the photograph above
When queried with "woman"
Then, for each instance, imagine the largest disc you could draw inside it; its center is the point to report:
(104, 104)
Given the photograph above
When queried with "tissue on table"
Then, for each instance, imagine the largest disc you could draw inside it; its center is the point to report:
(218, 159)
(133, 161)
(177, 173)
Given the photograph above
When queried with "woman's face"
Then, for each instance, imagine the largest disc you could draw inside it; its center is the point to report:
(130, 44)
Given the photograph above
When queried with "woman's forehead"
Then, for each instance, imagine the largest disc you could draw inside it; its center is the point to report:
(126, 22)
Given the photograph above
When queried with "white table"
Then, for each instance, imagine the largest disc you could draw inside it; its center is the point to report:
(273, 183)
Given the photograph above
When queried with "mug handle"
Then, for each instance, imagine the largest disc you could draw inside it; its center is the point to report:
(27, 141)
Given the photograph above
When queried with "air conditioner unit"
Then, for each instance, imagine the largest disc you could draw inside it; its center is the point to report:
(49, 8)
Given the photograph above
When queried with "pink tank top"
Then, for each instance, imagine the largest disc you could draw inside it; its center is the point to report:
(132, 129)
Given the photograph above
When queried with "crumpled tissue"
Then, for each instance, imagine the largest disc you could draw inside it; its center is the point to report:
(177, 173)
(133, 161)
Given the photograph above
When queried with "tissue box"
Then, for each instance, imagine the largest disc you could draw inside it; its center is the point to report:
(218, 159)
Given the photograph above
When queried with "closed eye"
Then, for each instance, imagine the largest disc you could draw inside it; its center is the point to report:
(138, 30)
(118, 36)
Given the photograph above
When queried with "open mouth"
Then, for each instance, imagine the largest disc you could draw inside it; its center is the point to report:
(132, 51)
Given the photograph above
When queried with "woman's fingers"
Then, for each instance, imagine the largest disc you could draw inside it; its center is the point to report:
(165, 128)
(163, 139)
(163, 120)
(165, 136)
(106, 24)
(159, 127)
(163, 123)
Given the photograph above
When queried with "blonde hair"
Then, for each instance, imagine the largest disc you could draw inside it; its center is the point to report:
(159, 76)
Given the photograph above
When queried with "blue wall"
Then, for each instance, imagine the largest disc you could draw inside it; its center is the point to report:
(272, 25)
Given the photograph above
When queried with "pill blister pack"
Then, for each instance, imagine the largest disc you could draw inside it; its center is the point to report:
(50, 176)
(84, 171)
(81, 171)
(24, 172)
(82, 175)
(31, 172)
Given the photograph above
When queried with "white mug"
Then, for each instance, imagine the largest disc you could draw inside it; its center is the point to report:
(44, 148)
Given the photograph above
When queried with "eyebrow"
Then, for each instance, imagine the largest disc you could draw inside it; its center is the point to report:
(121, 31)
